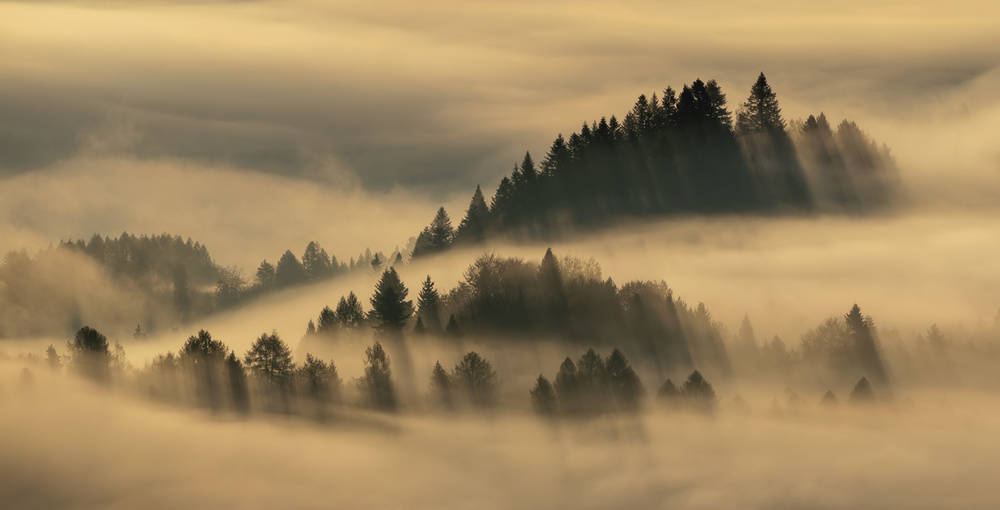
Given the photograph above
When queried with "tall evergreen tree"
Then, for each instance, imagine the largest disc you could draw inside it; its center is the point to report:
(429, 307)
(390, 308)
(473, 227)
(760, 113)
(528, 169)
(477, 379)
(265, 274)
(440, 386)
(327, 323)
(558, 158)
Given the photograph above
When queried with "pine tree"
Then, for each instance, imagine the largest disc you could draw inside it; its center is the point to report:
(699, 392)
(350, 315)
(543, 397)
(376, 386)
(429, 306)
(668, 391)
(864, 345)
(558, 159)
(265, 274)
(626, 389)
(289, 270)
(327, 322)
(52, 358)
(862, 392)
(440, 386)
(441, 230)
(316, 263)
(473, 227)
(477, 378)
(528, 170)
(760, 113)
(390, 308)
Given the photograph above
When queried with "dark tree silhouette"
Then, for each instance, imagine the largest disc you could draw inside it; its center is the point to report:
(203, 358)
(91, 355)
(863, 340)
(429, 307)
(316, 263)
(435, 238)
(390, 308)
(668, 391)
(760, 112)
(270, 360)
(440, 386)
(318, 380)
(52, 358)
(350, 315)
(473, 227)
(289, 270)
(543, 397)
(567, 386)
(376, 386)
(477, 379)
(699, 392)
(265, 275)
(327, 322)
(862, 392)
(626, 389)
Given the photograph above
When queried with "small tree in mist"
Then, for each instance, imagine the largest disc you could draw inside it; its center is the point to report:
(202, 357)
(350, 315)
(270, 360)
(862, 392)
(376, 386)
(318, 380)
(91, 355)
(477, 379)
(829, 399)
(52, 358)
(429, 307)
(390, 308)
(543, 397)
(699, 392)
(453, 329)
(567, 387)
(760, 112)
(625, 387)
(440, 387)
(668, 392)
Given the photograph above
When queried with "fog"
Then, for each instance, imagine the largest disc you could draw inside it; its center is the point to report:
(72, 446)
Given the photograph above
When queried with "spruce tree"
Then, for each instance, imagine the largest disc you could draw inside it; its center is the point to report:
(390, 308)
(440, 386)
(289, 270)
(429, 307)
(350, 315)
(441, 230)
(472, 228)
(327, 322)
(760, 113)
(477, 379)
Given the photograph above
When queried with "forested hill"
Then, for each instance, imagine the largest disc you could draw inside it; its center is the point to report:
(680, 154)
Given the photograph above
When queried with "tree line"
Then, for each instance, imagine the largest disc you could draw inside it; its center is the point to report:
(681, 153)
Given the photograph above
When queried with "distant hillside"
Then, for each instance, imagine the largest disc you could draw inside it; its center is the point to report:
(680, 154)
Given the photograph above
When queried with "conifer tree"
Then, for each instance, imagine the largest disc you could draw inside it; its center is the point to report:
(440, 386)
(376, 386)
(270, 360)
(316, 263)
(558, 158)
(327, 322)
(472, 228)
(760, 113)
(390, 308)
(429, 306)
(350, 315)
(289, 270)
(238, 391)
(543, 397)
(91, 354)
(528, 170)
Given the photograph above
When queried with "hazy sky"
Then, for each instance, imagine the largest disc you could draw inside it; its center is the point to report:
(443, 95)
